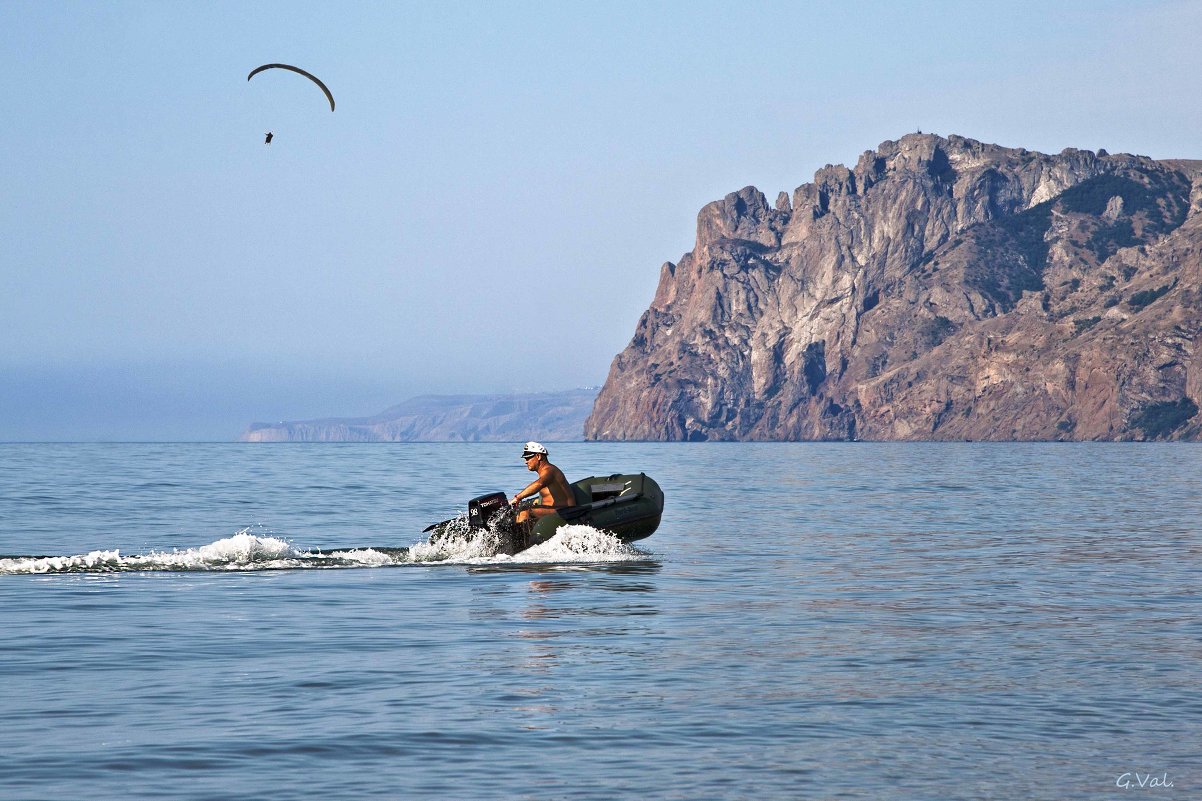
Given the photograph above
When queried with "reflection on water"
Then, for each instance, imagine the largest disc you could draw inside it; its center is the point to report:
(551, 622)
(630, 568)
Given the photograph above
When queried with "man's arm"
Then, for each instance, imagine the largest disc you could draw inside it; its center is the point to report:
(530, 489)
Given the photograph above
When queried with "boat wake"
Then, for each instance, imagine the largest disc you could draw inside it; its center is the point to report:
(246, 551)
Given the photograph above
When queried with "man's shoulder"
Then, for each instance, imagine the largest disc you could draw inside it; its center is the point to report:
(551, 470)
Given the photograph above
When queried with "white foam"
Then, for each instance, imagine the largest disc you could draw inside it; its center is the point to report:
(365, 557)
(570, 544)
(242, 551)
(245, 547)
(94, 562)
(247, 551)
(581, 544)
(456, 546)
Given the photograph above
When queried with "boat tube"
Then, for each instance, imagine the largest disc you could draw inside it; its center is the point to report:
(627, 505)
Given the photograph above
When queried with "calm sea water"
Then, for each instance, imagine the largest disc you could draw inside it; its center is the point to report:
(865, 621)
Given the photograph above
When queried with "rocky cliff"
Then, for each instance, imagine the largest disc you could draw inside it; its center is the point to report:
(546, 416)
(941, 289)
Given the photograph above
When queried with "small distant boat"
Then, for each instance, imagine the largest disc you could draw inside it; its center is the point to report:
(627, 505)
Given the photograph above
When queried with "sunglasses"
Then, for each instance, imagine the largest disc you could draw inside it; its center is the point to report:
(528, 456)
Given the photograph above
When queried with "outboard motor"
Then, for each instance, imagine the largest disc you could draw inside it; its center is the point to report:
(481, 510)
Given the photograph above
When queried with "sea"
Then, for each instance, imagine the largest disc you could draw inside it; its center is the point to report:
(810, 621)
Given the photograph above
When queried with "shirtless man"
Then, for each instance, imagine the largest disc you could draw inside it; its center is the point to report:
(552, 487)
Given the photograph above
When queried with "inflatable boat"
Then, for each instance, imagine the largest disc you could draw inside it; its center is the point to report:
(627, 505)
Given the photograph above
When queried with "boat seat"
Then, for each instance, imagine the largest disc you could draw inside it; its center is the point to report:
(608, 489)
(577, 512)
(598, 493)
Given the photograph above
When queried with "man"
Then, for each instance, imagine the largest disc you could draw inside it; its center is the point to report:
(554, 491)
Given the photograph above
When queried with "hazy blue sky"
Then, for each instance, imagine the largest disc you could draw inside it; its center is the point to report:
(165, 275)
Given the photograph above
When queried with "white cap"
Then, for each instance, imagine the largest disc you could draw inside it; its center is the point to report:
(532, 448)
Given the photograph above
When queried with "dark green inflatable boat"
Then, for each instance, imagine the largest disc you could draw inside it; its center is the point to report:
(627, 505)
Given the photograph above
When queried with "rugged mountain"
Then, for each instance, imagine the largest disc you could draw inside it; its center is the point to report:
(548, 416)
(942, 289)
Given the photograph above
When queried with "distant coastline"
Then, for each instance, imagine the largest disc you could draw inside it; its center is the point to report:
(550, 416)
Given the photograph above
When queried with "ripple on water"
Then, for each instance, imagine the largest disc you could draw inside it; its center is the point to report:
(876, 621)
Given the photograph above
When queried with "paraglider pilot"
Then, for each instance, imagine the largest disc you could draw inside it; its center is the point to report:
(267, 141)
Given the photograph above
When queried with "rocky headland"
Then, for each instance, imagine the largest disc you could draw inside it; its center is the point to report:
(940, 289)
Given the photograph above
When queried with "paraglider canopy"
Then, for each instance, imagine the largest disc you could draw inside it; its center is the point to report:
(298, 71)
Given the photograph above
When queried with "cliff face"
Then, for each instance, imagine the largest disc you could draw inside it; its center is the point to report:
(547, 416)
(942, 289)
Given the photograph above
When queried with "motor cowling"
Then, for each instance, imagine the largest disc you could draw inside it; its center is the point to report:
(482, 509)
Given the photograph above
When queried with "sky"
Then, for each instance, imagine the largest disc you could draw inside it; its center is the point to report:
(488, 208)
